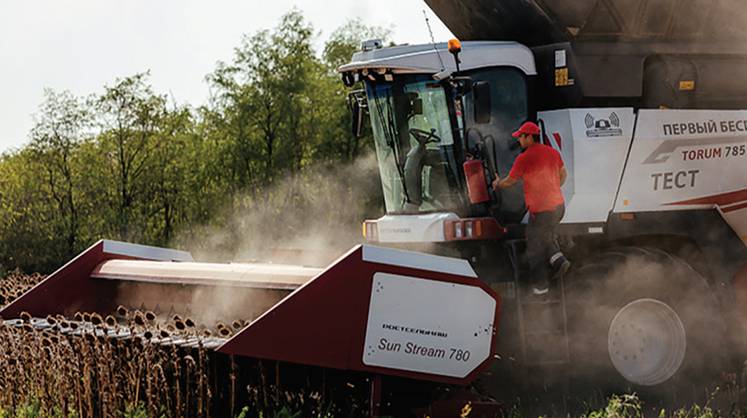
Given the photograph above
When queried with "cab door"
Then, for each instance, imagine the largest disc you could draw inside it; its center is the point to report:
(509, 108)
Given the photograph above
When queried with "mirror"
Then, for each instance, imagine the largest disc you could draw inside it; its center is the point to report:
(357, 111)
(349, 79)
(481, 100)
(463, 85)
(414, 105)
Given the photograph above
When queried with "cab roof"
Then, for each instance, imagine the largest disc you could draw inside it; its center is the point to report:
(424, 59)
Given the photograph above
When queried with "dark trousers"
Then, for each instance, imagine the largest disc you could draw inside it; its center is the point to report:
(542, 242)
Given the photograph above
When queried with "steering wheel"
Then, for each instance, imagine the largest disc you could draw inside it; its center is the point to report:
(424, 137)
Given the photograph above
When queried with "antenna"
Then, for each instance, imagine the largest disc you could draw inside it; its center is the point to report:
(433, 41)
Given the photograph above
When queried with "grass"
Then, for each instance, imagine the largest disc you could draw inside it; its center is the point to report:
(631, 406)
(618, 406)
(46, 374)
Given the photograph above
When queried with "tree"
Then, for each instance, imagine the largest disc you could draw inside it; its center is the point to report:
(347, 39)
(174, 162)
(339, 142)
(28, 238)
(270, 152)
(131, 117)
(58, 131)
(262, 97)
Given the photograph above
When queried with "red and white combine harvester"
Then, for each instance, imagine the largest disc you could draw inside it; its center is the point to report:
(644, 101)
(646, 104)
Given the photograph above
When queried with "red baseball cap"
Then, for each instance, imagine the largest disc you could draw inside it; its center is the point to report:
(530, 128)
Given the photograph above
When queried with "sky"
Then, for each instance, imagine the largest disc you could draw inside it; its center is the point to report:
(82, 45)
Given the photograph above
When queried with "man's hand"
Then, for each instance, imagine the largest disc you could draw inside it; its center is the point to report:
(496, 182)
(499, 183)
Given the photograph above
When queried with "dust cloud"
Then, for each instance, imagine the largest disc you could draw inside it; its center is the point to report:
(305, 219)
(206, 306)
(308, 219)
(606, 283)
(595, 292)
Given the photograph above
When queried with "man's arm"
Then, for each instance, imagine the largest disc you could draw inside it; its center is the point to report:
(516, 173)
(503, 184)
(563, 175)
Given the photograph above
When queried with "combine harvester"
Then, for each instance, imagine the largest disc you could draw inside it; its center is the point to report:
(645, 101)
(656, 219)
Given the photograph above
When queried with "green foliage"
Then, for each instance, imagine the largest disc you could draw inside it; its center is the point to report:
(620, 406)
(244, 412)
(697, 411)
(55, 140)
(126, 163)
(136, 125)
(138, 410)
(284, 412)
(34, 409)
(630, 406)
(347, 39)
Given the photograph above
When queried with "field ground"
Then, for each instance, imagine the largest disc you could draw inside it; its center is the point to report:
(66, 367)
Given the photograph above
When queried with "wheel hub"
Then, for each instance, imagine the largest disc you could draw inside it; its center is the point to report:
(647, 342)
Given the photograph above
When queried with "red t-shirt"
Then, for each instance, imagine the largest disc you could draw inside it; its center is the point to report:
(539, 166)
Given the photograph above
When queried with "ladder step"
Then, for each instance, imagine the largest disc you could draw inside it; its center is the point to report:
(560, 333)
(543, 303)
(542, 319)
(546, 348)
(544, 329)
(550, 363)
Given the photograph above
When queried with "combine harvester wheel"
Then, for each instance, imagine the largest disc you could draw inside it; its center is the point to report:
(646, 318)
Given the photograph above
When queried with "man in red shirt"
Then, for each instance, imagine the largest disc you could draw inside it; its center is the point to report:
(542, 170)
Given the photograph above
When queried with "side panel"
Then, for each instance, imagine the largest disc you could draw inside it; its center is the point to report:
(688, 159)
(69, 289)
(398, 336)
(593, 143)
(736, 217)
(427, 227)
(384, 311)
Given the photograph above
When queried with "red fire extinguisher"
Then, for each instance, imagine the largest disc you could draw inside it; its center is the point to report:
(477, 187)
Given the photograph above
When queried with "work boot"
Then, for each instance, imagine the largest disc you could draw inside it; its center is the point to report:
(540, 288)
(540, 291)
(560, 265)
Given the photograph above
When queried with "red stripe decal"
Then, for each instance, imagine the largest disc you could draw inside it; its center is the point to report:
(735, 208)
(722, 199)
(558, 140)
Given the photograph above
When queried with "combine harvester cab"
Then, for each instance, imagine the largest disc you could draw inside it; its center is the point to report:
(375, 310)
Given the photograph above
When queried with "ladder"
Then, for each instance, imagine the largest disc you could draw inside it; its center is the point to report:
(542, 320)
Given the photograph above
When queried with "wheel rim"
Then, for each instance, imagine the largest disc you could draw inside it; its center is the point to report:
(647, 342)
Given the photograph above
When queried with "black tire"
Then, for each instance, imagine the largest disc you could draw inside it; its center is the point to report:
(607, 282)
